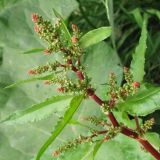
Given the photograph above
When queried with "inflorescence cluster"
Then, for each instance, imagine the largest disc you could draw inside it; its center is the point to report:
(57, 41)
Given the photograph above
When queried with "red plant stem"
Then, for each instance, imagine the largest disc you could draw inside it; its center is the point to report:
(124, 130)
(110, 114)
(78, 73)
(98, 133)
(149, 148)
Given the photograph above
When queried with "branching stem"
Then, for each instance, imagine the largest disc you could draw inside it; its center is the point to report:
(124, 130)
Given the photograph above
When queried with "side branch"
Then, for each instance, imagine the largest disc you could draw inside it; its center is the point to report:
(124, 130)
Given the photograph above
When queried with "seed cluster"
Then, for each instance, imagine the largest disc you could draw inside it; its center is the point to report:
(148, 125)
(72, 144)
(109, 134)
(57, 40)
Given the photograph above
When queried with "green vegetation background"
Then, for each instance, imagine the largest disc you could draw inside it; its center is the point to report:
(22, 141)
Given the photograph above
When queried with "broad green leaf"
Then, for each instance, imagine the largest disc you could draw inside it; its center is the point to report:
(6, 150)
(63, 26)
(75, 103)
(7, 4)
(123, 118)
(35, 50)
(143, 103)
(138, 60)
(30, 115)
(100, 71)
(17, 35)
(48, 77)
(153, 138)
(122, 148)
(95, 36)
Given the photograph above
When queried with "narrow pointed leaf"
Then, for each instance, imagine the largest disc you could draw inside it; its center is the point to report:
(138, 60)
(35, 50)
(143, 103)
(155, 12)
(110, 15)
(138, 17)
(47, 77)
(75, 103)
(29, 114)
(63, 26)
(97, 147)
(95, 36)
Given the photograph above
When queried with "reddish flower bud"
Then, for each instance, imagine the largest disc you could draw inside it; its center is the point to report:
(74, 39)
(32, 71)
(74, 28)
(55, 154)
(36, 28)
(48, 82)
(46, 51)
(61, 89)
(136, 84)
(111, 103)
(34, 17)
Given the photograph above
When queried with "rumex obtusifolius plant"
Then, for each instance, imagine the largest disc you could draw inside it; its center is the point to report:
(72, 53)
(60, 40)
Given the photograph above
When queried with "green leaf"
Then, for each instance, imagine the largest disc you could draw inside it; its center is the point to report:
(110, 15)
(29, 114)
(17, 35)
(97, 147)
(63, 26)
(95, 36)
(154, 12)
(75, 103)
(138, 60)
(138, 17)
(5, 4)
(47, 77)
(153, 138)
(35, 50)
(143, 103)
(74, 122)
(122, 148)
(95, 55)
(7, 148)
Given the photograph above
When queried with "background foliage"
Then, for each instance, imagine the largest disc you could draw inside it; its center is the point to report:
(22, 140)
